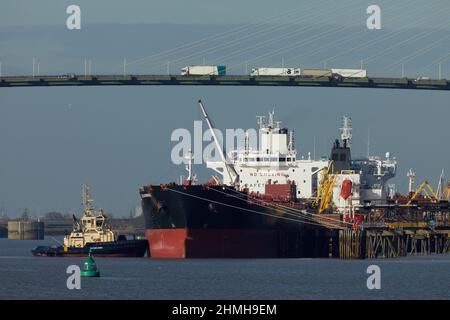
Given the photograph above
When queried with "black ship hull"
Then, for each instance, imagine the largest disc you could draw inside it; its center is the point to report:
(122, 248)
(199, 221)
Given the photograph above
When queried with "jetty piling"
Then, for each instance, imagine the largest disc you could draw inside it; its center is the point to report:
(385, 243)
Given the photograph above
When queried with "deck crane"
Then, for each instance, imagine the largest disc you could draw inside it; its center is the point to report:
(423, 187)
(229, 168)
(325, 190)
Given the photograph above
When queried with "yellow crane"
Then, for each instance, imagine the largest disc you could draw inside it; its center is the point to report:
(325, 190)
(423, 187)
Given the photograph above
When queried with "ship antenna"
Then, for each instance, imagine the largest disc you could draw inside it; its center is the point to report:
(260, 121)
(230, 168)
(271, 114)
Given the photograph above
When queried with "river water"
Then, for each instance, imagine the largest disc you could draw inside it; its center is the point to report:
(23, 276)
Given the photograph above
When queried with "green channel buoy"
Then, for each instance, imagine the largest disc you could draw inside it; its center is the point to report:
(90, 267)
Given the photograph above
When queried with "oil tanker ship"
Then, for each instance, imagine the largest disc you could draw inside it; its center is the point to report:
(93, 235)
(264, 202)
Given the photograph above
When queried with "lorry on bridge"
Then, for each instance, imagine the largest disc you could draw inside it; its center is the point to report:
(309, 73)
(287, 72)
(335, 73)
(203, 70)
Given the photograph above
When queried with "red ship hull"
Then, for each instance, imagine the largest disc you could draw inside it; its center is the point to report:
(212, 243)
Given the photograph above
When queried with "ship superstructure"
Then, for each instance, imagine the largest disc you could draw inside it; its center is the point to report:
(274, 162)
(92, 228)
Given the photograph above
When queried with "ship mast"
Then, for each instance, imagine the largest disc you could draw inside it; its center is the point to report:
(411, 179)
(86, 200)
(346, 131)
(229, 167)
(192, 177)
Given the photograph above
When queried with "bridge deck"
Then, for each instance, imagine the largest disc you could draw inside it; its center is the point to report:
(229, 80)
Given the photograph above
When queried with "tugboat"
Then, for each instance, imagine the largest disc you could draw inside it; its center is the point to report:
(93, 235)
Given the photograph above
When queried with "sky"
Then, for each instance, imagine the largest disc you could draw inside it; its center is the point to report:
(118, 138)
(52, 12)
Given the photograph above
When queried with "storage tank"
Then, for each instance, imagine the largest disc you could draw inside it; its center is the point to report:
(287, 72)
(317, 72)
(25, 230)
(203, 70)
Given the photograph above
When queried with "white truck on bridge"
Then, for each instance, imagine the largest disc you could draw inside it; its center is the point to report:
(287, 72)
(203, 70)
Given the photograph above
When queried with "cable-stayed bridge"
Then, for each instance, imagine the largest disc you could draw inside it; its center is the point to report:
(410, 51)
(225, 80)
